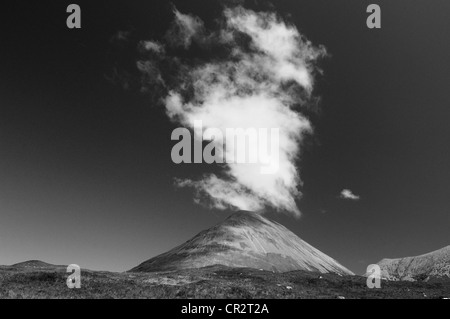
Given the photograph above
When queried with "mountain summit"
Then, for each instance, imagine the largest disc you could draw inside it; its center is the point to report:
(434, 264)
(245, 239)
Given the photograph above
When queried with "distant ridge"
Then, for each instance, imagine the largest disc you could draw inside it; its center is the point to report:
(245, 239)
(35, 264)
(433, 264)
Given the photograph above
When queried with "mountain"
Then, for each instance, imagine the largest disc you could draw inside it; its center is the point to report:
(434, 264)
(34, 264)
(245, 239)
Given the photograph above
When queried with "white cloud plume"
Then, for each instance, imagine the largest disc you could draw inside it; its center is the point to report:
(262, 79)
(348, 194)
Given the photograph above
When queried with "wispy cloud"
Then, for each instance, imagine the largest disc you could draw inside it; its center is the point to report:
(349, 195)
(120, 36)
(185, 28)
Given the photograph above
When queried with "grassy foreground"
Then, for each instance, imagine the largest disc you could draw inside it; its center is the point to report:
(210, 282)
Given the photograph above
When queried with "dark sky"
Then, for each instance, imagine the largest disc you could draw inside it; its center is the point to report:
(85, 170)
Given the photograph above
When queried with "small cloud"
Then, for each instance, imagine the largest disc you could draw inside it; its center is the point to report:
(152, 46)
(120, 36)
(348, 194)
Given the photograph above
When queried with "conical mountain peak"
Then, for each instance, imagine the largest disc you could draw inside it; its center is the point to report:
(245, 239)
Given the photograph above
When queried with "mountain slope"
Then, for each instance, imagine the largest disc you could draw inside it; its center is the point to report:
(34, 264)
(248, 240)
(434, 264)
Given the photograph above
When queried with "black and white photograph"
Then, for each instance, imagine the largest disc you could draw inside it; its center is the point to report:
(236, 151)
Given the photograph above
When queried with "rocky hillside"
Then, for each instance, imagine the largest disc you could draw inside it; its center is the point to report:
(434, 264)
